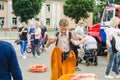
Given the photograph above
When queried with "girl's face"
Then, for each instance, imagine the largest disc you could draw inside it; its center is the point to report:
(23, 25)
(63, 29)
(37, 24)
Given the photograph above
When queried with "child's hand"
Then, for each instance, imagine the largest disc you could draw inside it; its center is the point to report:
(51, 40)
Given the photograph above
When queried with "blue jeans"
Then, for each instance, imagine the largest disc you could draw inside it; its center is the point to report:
(23, 46)
(118, 62)
(42, 43)
(35, 47)
(113, 57)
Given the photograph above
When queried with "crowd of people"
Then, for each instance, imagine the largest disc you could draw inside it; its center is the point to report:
(65, 52)
(34, 35)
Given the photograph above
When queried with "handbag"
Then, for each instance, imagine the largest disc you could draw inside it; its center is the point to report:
(17, 41)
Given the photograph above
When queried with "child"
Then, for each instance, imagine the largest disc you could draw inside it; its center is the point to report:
(63, 60)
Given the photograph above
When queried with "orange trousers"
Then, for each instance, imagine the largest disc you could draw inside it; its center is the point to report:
(67, 77)
(59, 67)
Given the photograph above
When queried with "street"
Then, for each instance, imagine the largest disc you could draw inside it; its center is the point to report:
(99, 70)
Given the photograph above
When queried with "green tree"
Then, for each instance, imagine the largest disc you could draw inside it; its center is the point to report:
(26, 9)
(115, 1)
(98, 11)
(78, 9)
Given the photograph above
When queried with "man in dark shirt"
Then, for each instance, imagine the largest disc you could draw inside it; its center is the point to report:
(23, 33)
(9, 67)
(43, 33)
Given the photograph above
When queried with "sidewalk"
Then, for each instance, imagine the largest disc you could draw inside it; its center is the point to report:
(8, 38)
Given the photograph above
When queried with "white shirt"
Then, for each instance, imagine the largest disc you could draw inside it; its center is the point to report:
(37, 33)
(117, 38)
(110, 32)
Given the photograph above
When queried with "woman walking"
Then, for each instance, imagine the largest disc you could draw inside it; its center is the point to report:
(110, 33)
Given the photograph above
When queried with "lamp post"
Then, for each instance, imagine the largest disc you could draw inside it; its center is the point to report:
(10, 15)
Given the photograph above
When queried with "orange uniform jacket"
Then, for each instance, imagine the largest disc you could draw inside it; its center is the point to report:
(59, 68)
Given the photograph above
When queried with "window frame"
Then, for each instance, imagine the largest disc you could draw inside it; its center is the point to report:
(2, 5)
(48, 21)
(48, 9)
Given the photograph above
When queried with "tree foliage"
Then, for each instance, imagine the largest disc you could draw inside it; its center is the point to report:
(78, 9)
(26, 9)
(114, 1)
(98, 11)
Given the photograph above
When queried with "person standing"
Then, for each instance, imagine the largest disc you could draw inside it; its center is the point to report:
(63, 59)
(117, 38)
(43, 33)
(80, 28)
(36, 41)
(119, 47)
(31, 33)
(9, 67)
(110, 33)
(80, 31)
(23, 34)
(56, 27)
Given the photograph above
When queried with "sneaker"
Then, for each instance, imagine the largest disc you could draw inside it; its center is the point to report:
(24, 57)
(78, 69)
(117, 76)
(108, 76)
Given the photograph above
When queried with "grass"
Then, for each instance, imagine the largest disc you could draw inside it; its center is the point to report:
(50, 30)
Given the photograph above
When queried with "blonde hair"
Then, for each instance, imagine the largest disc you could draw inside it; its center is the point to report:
(114, 21)
(63, 22)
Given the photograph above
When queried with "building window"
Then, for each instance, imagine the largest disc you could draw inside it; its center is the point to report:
(48, 21)
(37, 19)
(1, 22)
(1, 5)
(14, 21)
(48, 7)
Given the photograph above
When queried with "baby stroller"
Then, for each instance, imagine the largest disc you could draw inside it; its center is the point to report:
(89, 52)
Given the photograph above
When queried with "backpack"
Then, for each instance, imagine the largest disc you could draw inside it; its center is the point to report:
(72, 47)
(113, 45)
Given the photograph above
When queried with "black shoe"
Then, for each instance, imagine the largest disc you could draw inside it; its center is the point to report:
(78, 69)
(113, 70)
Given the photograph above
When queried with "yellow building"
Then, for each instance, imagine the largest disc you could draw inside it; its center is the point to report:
(51, 13)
